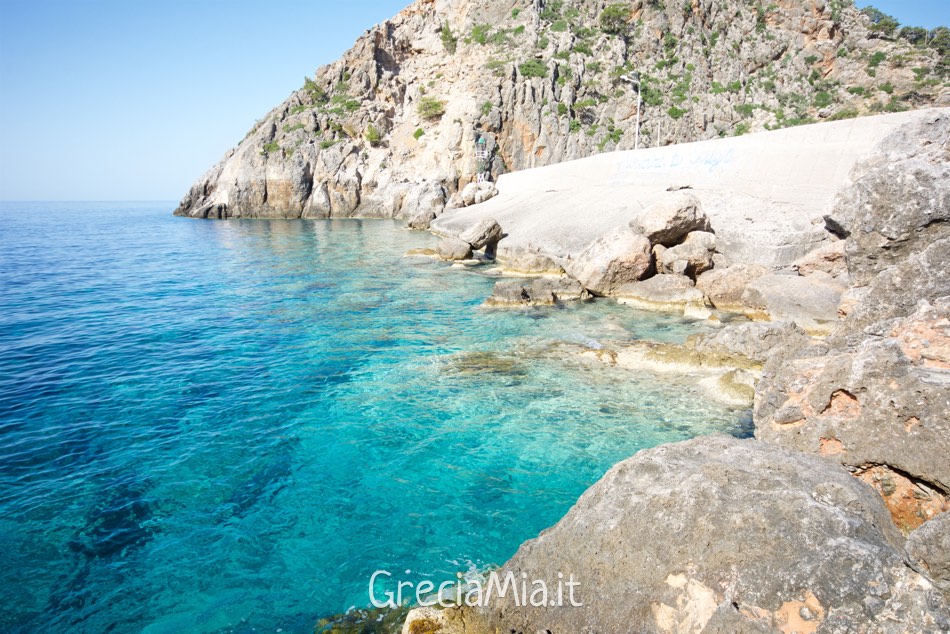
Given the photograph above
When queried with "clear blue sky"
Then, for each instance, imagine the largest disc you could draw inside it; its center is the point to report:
(133, 100)
(925, 13)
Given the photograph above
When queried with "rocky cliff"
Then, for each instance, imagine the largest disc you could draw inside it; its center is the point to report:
(390, 129)
(835, 518)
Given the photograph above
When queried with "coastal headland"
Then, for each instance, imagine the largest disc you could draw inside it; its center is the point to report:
(669, 156)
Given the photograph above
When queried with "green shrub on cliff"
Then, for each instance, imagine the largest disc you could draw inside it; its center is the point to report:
(876, 59)
(317, 93)
(583, 48)
(480, 33)
(551, 10)
(613, 19)
(675, 113)
(844, 114)
(880, 21)
(431, 108)
(373, 135)
(823, 99)
(450, 41)
(533, 68)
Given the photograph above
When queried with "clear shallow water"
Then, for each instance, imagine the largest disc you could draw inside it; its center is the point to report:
(228, 426)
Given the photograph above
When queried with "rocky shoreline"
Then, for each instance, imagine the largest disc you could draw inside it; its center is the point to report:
(834, 313)
(833, 519)
(391, 128)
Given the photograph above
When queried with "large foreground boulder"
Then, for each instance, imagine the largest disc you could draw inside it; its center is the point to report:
(722, 535)
(620, 257)
(672, 217)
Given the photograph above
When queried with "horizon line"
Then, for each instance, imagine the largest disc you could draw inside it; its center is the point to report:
(89, 200)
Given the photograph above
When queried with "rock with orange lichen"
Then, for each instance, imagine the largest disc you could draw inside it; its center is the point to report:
(925, 336)
(876, 395)
(873, 405)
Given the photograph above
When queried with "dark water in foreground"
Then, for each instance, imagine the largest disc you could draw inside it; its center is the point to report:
(228, 426)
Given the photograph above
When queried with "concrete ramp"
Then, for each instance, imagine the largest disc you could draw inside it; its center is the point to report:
(765, 193)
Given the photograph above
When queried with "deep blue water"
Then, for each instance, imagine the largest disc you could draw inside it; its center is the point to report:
(228, 426)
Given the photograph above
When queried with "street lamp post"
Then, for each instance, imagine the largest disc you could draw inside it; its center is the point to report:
(634, 78)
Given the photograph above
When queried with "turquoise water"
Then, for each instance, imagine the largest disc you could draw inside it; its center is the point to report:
(228, 426)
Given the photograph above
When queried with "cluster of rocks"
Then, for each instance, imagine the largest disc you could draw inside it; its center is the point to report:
(835, 517)
(484, 235)
(473, 194)
(667, 259)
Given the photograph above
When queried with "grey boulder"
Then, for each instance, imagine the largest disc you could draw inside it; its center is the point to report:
(722, 535)
(661, 292)
(483, 233)
(531, 263)
(725, 286)
(453, 249)
(811, 302)
(537, 292)
(896, 292)
(929, 545)
(756, 341)
(828, 258)
(900, 199)
(620, 257)
(422, 220)
(672, 217)
(880, 407)
(689, 258)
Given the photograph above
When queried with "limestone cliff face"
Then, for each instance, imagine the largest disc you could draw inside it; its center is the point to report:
(390, 129)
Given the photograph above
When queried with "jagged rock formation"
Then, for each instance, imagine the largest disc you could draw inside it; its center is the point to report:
(875, 395)
(834, 519)
(390, 129)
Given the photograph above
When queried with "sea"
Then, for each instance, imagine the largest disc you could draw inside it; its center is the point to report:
(229, 426)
